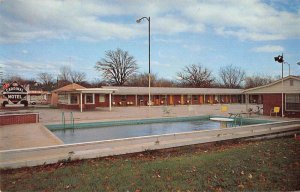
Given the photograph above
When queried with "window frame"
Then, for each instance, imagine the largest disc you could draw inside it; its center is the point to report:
(293, 103)
(104, 98)
(65, 98)
(70, 98)
(123, 98)
(93, 98)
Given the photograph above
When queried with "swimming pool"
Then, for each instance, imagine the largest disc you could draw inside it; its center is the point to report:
(85, 132)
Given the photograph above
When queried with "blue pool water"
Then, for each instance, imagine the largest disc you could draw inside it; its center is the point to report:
(87, 134)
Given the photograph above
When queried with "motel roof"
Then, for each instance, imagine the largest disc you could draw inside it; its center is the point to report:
(69, 88)
(291, 84)
(173, 91)
(96, 90)
(75, 88)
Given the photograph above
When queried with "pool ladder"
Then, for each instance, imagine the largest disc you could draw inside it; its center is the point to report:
(236, 117)
(63, 119)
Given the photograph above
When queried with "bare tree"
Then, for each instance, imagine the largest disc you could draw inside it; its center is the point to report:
(142, 80)
(196, 76)
(65, 74)
(231, 76)
(77, 77)
(47, 81)
(162, 82)
(45, 78)
(25, 82)
(117, 66)
(257, 80)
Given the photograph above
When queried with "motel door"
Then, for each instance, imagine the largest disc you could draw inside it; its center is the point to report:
(200, 99)
(171, 100)
(182, 100)
(156, 100)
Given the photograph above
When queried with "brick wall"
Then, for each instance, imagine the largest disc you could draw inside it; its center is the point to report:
(270, 101)
(9, 119)
(274, 100)
(76, 106)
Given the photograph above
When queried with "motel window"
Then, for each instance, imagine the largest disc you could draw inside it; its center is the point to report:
(189, 97)
(195, 99)
(140, 97)
(101, 98)
(74, 99)
(292, 102)
(63, 98)
(123, 97)
(89, 98)
(164, 98)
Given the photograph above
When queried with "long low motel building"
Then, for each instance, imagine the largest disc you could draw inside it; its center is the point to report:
(74, 96)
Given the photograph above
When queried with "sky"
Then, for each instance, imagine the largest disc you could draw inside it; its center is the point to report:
(43, 35)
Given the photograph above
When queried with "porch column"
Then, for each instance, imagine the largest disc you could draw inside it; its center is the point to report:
(136, 100)
(80, 101)
(109, 101)
(247, 102)
(204, 99)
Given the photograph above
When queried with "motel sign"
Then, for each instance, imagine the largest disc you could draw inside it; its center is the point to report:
(14, 92)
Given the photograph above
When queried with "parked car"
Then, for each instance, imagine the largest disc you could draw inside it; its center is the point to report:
(4, 102)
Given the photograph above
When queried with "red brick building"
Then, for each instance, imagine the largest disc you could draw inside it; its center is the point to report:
(272, 96)
(139, 96)
(74, 96)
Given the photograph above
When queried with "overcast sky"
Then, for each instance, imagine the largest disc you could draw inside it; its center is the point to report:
(43, 35)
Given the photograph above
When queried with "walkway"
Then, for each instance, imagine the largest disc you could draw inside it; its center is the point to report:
(26, 136)
(53, 116)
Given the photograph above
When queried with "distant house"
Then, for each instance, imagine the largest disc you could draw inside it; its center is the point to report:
(271, 96)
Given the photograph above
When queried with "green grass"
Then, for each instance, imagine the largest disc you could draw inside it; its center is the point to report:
(256, 166)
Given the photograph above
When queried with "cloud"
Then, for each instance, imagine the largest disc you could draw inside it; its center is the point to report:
(193, 47)
(269, 48)
(93, 20)
(23, 67)
(158, 64)
(246, 20)
(24, 51)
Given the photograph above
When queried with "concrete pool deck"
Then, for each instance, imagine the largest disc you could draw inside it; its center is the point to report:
(35, 135)
(26, 136)
(54, 116)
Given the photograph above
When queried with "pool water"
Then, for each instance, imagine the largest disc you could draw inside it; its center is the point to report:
(79, 135)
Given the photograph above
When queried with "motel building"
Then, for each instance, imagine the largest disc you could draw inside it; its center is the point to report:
(75, 96)
(271, 95)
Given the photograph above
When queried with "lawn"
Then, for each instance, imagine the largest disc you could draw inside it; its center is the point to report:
(268, 165)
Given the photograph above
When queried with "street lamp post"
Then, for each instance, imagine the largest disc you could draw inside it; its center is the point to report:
(280, 59)
(149, 74)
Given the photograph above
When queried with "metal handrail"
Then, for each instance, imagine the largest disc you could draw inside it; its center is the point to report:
(63, 119)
